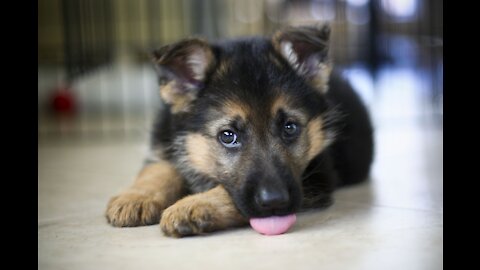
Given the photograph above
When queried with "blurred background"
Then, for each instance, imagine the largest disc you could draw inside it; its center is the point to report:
(96, 82)
(97, 95)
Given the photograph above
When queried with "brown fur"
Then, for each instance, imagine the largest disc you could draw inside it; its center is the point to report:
(297, 156)
(178, 101)
(232, 110)
(223, 68)
(157, 186)
(279, 103)
(200, 213)
(320, 80)
(282, 103)
(316, 137)
(200, 154)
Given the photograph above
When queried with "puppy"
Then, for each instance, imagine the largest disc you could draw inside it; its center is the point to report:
(257, 127)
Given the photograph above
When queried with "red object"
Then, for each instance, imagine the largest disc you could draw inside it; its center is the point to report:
(63, 101)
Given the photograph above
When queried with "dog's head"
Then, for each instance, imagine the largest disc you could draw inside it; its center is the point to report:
(249, 114)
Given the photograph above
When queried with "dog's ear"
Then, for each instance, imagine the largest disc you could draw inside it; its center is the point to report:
(306, 50)
(183, 68)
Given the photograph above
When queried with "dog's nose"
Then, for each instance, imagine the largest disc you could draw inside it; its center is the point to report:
(272, 198)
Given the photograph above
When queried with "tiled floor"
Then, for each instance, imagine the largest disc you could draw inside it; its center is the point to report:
(394, 221)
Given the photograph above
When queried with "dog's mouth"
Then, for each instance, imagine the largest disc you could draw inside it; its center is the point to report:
(273, 221)
(270, 206)
(273, 225)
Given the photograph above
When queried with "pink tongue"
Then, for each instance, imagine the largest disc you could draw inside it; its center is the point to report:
(273, 225)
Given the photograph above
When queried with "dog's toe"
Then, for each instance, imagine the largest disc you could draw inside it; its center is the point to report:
(184, 220)
(129, 210)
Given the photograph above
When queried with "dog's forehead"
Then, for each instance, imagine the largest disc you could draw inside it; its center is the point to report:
(248, 112)
(251, 84)
(248, 62)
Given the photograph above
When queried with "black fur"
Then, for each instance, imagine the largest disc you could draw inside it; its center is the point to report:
(353, 149)
(253, 78)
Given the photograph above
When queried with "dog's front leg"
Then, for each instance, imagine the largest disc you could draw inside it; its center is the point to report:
(201, 213)
(157, 187)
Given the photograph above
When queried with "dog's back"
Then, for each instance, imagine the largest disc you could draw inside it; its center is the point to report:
(352, 149)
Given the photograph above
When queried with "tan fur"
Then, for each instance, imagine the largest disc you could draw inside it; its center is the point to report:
(200, 154)
(200, 213)
(279, 103)
(234, 109)
(223, 67)
(157, 186)
(320, 80)
(229, 111)
(276, 41)
(316, 137)
(179, 101)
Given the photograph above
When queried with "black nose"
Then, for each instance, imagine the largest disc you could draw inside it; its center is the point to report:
(270, 198)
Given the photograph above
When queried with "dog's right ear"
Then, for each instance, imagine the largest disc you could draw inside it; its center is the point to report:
(306, 50)
(183, 67)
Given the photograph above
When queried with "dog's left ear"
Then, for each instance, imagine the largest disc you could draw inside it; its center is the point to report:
(183, 68)
(306, 50)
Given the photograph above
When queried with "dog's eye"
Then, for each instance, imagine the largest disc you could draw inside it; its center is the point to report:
(290, 129)
(229, 139)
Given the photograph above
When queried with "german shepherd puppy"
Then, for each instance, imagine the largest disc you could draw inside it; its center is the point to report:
(254, 127)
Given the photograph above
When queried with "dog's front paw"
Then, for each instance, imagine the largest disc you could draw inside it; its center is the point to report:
(188, 217)
(130, 209)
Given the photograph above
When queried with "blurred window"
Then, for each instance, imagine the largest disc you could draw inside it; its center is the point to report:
(400, 9)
